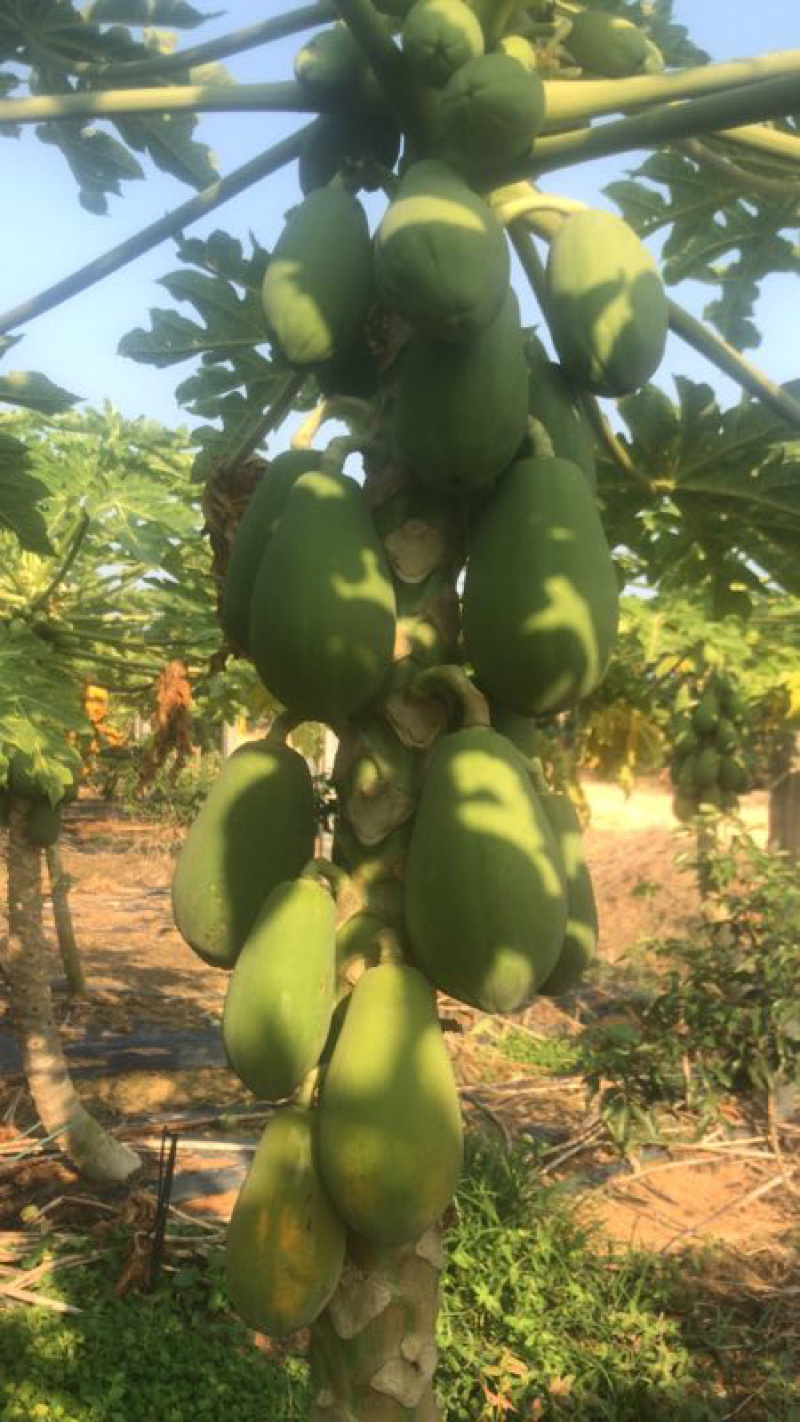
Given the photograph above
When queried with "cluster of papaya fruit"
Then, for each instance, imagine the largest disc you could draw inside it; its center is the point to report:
(478, 457)
(709, 763)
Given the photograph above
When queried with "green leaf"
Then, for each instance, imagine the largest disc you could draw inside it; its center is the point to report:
(20, 494)
(174, 13)
(35, 392)
(167, 139)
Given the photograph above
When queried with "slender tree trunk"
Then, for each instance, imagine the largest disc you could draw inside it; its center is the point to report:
(373, 1352)
(93, 1152)
(65, 932)
(784, 814)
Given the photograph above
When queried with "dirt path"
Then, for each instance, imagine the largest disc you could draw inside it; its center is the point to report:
(148, 989)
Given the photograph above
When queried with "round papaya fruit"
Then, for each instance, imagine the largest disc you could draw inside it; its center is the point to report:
(438, 36)
(492, 109)
(609, 45)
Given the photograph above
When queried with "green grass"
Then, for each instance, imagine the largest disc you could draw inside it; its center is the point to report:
(550, 1056)
(538, 1310)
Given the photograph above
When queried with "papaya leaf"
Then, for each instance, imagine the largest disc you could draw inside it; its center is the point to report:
(35, 392)
(174, 13)
(167, 140)
(20, 495)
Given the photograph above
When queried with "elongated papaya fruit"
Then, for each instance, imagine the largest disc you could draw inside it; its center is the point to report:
(318, 282)
(253, 534)
(285, 1244)
(441, 257)
(389, 1126)
(580, 940)
(255, 829)
(281, 992)
(461, 410)
(322, 615)
(607, 307)
(486, 894)
(492, 109)
(540, 601)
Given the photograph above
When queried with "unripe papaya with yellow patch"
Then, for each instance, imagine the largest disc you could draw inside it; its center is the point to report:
(255, 829)
(285, 1243)
(486, 892)
(461, 410)
(441, 257)
(540, 603)
(322, 615)
(330, 62)
(606, 303)
(256, 527)
(389, 1132)
(580, 939)
(281, 993)
(318, 283)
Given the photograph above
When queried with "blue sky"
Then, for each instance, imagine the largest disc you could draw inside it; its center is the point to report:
(46, 234)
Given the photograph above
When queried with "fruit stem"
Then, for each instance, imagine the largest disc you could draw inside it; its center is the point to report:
(453, 681)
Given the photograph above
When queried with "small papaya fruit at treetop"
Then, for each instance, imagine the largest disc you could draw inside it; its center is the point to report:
(438, 36)
(255, 829)
(441, 257)
(389, 1130)
(486, 890)
(281, 993)
(322, 615)
(255, 529)
(610, 45)
(332, 60)
(540, 603)
(285, 1244)
(318, 283)
(492, 109)
(606, 303)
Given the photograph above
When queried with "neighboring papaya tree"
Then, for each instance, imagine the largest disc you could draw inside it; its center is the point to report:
(454, 868)
(121, 550)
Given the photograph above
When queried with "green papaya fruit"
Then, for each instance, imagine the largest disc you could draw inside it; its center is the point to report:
(255, 829)
(322, 615)
(540, 601)
(492, 109)
(553, 402)
(732, 774)
(330, 62)
(710, 797)
(438, 36)
(441, 257)
(522, 731)
(4, 798)
(23, 779)
(281, 992)
(43, 824)
(685, 777)
(285, 1243)
(686, 742)
(706, 713)
(706, 768)
(255, 529)
(389, 1127)
(355, 372)
(606, 304)
(726, 735)
(461, 411)
(607, 44)
(580, 939)
(684, 806)
(318, 284)
(486, 892)
(342, 140)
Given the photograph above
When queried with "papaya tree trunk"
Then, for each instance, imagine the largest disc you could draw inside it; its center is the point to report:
(93, 1152)
(65, 932)
(373, 1351)
(784, 814)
